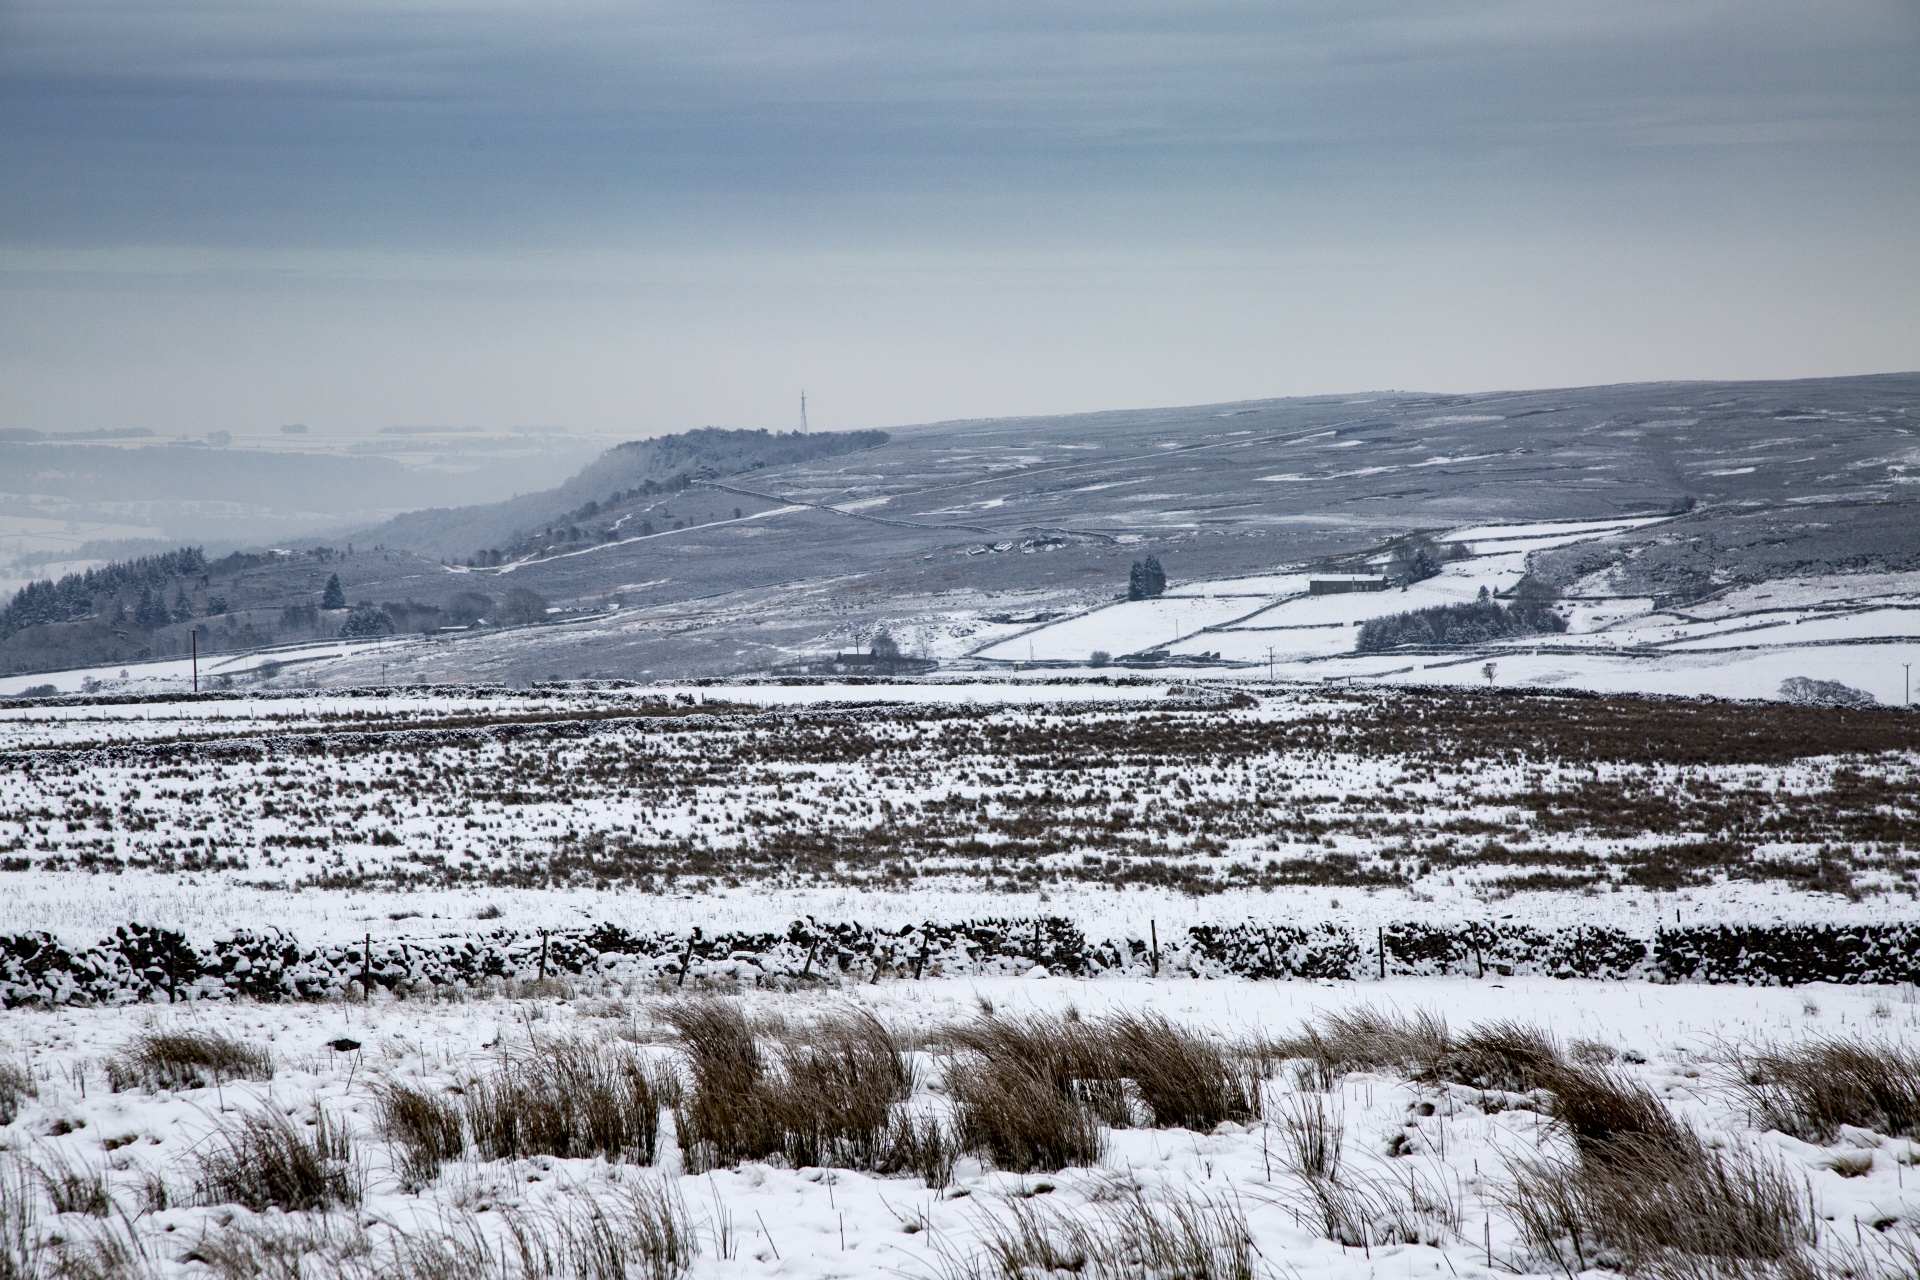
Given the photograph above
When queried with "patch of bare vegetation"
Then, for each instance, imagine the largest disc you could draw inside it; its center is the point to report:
(425, 1127)
(268, 1160)
(1125, 1236)
(562, 1098)
(186, 1060)
(1812, 1088)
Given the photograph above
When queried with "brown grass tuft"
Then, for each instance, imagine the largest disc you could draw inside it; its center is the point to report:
(267, 1161)
(186, 1060)
(1019, 1118)
(568, 1098)
(424, 1124)
(1809, 1090)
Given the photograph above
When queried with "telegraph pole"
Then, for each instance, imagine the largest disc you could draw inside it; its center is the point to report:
(803, 413)
(195, 633)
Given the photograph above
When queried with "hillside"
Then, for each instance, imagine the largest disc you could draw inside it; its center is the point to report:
(961, 539)
(636, 469)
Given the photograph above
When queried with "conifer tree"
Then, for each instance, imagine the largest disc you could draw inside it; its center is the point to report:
(333, 597)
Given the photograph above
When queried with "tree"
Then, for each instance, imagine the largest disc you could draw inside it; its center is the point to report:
(1146, 579)
(469, 607)
(333, 597)
(523, 606)
(367, 621)
(149, 614)
(885, 648)
(182, 611)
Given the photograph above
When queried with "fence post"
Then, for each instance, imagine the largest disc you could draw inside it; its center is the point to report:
(1153, 930)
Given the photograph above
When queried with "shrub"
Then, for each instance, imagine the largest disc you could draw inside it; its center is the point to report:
(426, 1127)
(1809, 1090)
(266, 1161)
(186, 1060)
(569, 1099)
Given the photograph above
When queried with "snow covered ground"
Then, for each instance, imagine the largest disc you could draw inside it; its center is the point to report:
(1437, 1162)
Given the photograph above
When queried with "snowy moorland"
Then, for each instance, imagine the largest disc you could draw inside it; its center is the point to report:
(407, 812)
(953, 1129)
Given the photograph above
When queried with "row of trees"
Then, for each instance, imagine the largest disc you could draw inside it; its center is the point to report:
(82, 595)
(1475, 622)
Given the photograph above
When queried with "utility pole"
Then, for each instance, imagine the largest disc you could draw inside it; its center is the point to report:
(1269, 664)
(1908, 668)
(803, 413)
(195, 633)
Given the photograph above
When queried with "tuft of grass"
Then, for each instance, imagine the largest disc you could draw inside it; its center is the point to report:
(16, 1083)
(833, 1090)
(21, 1247)
(1810, 1089)
(1071, 1055)
(267, 1161)
(1501, 1055)
(919, 1145)
(1368, 1040)
(75, 1189)
(1018, 1118)
(1608, 1116)
(1184, 1079)
(186, 1060)
(1125, 1236)
(1313, 1137)
(564, 1098)
(722, 1118)
(1675, 1213)
(425, 1126)
(825, 1094)
(1356, 1210)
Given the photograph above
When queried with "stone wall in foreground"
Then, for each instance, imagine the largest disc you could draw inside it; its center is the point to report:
(142, 963)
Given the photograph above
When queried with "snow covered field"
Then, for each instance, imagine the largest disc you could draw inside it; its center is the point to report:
(1423, 1181)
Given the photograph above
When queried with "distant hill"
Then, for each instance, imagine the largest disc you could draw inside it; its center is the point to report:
(626, 471)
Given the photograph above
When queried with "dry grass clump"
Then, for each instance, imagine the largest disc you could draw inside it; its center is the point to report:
(1018, 1118)
(1072, 1056)
(825, 1094)
(1126, 1237)
(267, 1161)
(20, 1244)
(564, 1098)
(1651, 1209)
(1501, 1055)
(1809, 1090)
(186, 1060)
(1368, 1040)
(1641, 1193)
(73, 1188)
(631, 1232)
(16, 1083)
(426, 1127)
(1610, 1116)
(1184, 1079)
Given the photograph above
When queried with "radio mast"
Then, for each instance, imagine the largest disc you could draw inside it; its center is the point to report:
(803, 413)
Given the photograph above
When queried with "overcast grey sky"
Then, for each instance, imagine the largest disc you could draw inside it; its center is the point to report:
(652, 215)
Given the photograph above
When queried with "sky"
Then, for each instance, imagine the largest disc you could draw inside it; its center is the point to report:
(652, 215)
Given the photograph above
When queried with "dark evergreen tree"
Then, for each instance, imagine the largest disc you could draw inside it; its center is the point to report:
(333, 597)
(182, 610)
(1137, 582)
(1156, 577)
(367, 621)
(149, 614)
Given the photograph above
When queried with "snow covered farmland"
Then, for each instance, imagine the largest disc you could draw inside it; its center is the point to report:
(748, 806)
